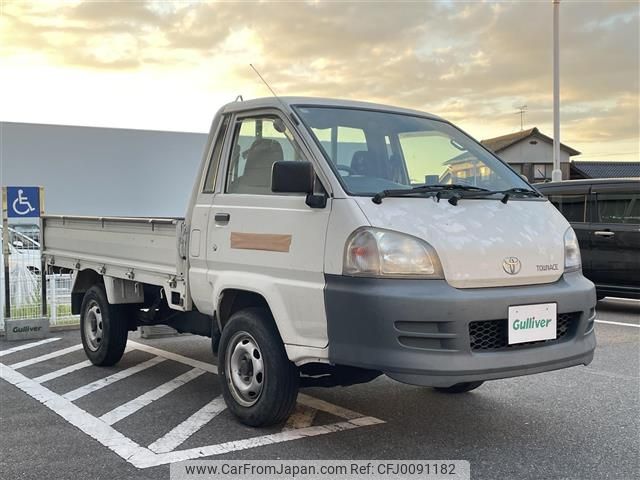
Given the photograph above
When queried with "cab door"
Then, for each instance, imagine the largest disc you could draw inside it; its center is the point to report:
(270, 244)
(615, 235)
(199, 219)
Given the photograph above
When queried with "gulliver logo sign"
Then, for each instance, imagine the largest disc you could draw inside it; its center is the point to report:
(25, 329)
(531, 323)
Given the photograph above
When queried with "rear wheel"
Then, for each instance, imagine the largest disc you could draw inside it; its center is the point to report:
(459, 387)
(260, 384)
(103, 328)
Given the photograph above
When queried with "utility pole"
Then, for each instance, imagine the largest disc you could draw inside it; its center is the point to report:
(522, 109)
(556, 174)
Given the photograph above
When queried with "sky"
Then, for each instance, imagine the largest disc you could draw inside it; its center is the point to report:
(165, 65)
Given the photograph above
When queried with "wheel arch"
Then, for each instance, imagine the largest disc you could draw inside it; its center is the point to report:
(82, 281)
(231, 300)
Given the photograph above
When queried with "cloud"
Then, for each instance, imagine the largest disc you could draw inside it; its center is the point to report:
(472, 62)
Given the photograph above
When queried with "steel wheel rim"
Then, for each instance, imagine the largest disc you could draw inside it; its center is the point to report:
(93, 326)
(244, 369)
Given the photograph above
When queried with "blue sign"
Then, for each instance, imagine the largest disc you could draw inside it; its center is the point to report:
(23, 202)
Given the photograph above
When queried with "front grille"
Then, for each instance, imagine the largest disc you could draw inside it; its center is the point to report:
(493, 334)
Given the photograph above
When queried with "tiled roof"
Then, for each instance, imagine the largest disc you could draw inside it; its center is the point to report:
(607, 169)
(497, 144)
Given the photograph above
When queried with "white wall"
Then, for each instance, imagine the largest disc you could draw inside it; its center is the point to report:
(525, 152)
(102, 171)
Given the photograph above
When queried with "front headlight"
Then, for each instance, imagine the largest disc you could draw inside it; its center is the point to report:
(572, 259)
(371, 252)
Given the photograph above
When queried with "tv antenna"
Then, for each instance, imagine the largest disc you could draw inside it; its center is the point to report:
(522, 110)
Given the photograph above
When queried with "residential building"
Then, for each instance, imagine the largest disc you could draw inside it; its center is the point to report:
(611, 169)
(530, 153)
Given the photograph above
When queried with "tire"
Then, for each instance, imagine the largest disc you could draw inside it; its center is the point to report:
(103, 328)
(459, 387)
(215, 338)
(259, 383)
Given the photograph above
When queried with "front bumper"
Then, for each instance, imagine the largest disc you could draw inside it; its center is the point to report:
(417, 331)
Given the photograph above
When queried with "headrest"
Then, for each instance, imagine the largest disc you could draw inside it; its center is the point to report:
(263, 153)
(361, 162)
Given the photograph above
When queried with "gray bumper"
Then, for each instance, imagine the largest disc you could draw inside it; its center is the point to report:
(417, 331)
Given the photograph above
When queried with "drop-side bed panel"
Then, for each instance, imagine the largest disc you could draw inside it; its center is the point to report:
(147, 250)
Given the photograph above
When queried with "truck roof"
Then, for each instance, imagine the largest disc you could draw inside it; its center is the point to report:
(273, 102)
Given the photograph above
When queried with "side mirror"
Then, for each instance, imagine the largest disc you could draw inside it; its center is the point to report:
(292, 177)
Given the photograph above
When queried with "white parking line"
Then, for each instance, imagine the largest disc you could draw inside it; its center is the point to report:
(620, 299)
(209, 367)
(48, 356)
(177, 436)
(106, 435)
(27, 345)
(145, 399)
(103, 382)
(141, 457)
(618, 323)
(318, 404)
(62, 371)
(234, 446)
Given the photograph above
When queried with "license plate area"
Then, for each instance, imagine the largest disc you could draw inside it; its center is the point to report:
(532, 323)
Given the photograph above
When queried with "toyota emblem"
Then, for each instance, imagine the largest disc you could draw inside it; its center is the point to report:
(511, 265)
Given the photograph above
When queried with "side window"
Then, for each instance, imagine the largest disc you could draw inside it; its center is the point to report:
(618, 208)
(257, 144)
(214, 161)
(571, 206)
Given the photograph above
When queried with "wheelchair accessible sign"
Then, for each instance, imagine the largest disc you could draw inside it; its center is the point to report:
(23, 202)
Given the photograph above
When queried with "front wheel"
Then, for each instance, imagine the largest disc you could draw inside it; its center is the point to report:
(259, 383)
(459, 387)
(103, 328)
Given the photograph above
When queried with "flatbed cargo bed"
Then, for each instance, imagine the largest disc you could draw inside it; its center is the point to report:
(144, 249)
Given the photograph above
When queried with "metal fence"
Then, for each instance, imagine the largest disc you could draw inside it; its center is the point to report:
(25, 283)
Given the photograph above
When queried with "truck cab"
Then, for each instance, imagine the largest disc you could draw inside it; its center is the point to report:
(328, 242)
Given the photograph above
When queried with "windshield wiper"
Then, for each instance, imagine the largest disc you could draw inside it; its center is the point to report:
(526, 192)
(471, 192)
(506, 194)
(435, 190)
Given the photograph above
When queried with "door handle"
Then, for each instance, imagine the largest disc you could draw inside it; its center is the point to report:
(603, 233)
(222, 218)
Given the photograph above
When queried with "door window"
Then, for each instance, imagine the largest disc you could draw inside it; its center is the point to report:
(571, 206)
(257, 144)
(210, 180)
(619, 208)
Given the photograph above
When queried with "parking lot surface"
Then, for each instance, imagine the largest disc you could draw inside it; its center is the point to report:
(61, 417)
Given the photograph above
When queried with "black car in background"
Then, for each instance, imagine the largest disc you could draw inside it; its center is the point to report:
(605, 214)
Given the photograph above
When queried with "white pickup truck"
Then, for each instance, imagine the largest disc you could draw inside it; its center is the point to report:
(327, 242)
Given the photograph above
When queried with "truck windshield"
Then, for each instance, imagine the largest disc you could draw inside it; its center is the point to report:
(373, 151)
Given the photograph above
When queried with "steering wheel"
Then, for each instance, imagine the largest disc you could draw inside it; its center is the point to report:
(349, 170)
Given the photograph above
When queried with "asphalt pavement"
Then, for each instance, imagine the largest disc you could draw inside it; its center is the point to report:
(61, 418)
